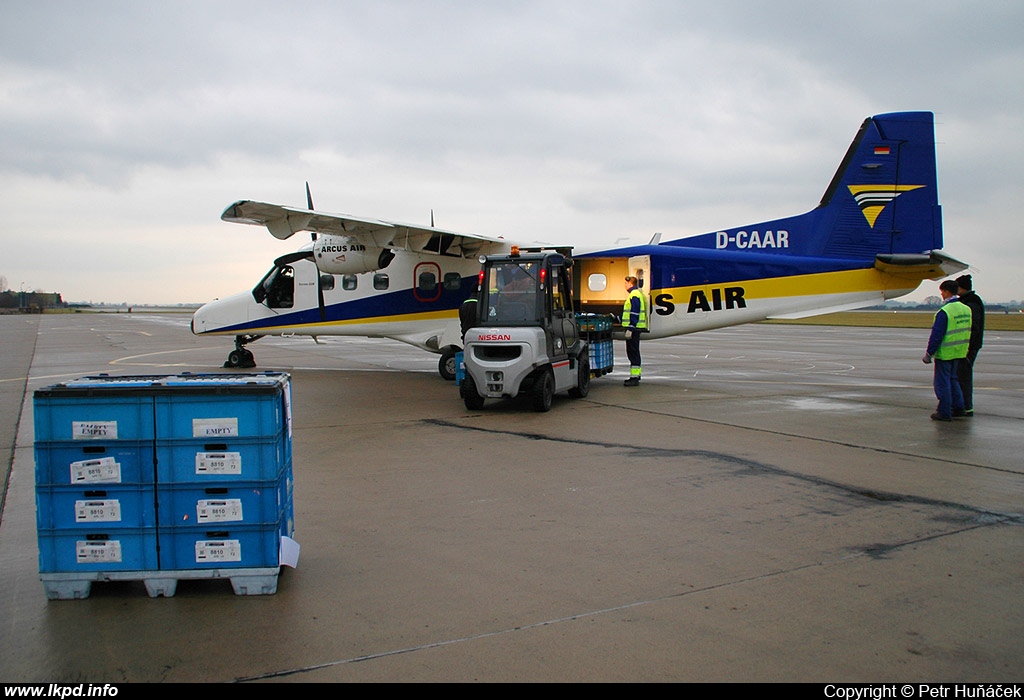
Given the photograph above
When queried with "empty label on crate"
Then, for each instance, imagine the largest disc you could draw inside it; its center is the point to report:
(218, 550)
(225, 510)
(94, 430)
(107, 511)
(214, 427)
(218, 463)
(102, 552)
(96, 471)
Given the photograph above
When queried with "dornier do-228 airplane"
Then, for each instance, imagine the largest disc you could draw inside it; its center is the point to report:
(876, 235)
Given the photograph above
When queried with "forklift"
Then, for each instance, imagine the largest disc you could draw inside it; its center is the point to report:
(526, 337)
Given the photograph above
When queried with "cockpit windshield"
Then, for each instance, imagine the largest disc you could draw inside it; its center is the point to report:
(277, 288)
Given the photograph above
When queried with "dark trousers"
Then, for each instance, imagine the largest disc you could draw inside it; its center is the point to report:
(965, 377)
(947, 388)
(633, 351)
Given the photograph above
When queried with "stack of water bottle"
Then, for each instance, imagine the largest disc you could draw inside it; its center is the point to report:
(596, 329)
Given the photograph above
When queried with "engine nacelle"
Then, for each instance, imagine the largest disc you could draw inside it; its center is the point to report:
(338, 255)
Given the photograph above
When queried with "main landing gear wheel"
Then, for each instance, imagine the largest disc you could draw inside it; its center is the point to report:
(446, 365)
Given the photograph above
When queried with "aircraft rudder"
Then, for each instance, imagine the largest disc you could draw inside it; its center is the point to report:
(884, 197)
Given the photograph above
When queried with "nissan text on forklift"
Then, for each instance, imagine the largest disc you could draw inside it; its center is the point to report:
(526, 339)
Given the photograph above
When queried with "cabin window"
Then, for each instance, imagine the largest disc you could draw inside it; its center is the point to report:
(427, 282)
(349, 282)
(426, 287)
(381, 281)
(452, 281)
(326, 282)
(597, 282)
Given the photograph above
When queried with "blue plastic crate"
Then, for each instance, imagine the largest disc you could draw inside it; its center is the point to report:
(286, 486)
(220, 408)
(220, 506)
(218, 417)
(460, 367)
(85, 463)
(240, 546)
(287, 499)
(192, 461)
(601, 355)
(287, 528)
(85, 416)
(97, 550)
(111, 506)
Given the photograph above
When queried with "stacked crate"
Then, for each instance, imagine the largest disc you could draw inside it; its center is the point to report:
(162, 478)
(596, 329)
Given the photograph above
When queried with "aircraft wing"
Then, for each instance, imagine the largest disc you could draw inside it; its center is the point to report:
(283, 222)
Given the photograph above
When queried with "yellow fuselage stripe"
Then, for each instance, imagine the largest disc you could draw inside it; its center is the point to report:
(845, 282)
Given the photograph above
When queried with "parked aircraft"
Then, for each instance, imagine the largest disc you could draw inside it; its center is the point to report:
(876, 235)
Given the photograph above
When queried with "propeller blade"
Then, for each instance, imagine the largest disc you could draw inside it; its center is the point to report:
(320, 295)
(309, 205)
(289, 258)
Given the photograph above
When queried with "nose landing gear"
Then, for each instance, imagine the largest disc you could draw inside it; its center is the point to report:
(241, 357)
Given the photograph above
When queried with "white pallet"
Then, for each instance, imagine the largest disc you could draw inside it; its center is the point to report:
(76, 585)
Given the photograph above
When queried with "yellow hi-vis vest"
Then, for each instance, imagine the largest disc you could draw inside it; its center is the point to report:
(627, 309)
(958, 331)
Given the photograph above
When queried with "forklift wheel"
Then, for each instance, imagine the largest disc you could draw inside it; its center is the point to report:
(582, 387)
(543, 391)
(470, 396)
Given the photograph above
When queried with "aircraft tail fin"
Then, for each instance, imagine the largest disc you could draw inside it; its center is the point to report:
(884, 197)
(883, 200)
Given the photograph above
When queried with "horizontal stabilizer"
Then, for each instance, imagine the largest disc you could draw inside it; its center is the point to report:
(933, 266)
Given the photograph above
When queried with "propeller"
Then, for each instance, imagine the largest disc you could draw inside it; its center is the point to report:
(320, 295)
(289, 258)
(319, 275)
(309, 205)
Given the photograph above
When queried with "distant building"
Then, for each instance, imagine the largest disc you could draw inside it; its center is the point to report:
(30, 302)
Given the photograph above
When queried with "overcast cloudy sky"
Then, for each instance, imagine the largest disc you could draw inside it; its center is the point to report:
(126, 128)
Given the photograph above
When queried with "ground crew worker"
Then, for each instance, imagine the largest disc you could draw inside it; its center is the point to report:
(948, 343)
(965, 368)
(468, 315)
(634, 320)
